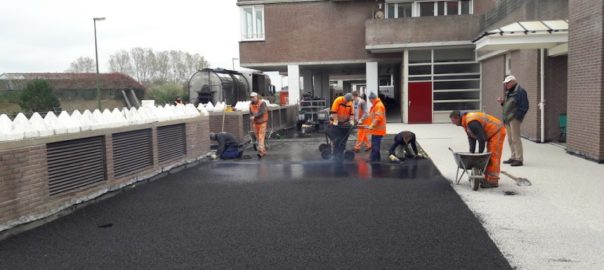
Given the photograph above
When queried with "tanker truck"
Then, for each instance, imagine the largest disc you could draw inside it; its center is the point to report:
(229, 86)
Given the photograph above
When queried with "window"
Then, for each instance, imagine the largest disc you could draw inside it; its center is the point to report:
(252, 23)
(399, 10)
(426, 9)
(441, 8)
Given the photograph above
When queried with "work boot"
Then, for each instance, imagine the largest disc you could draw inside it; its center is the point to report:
(516, 163)
(485, 184)
(509, 161)
(368, 149)
(356, 150)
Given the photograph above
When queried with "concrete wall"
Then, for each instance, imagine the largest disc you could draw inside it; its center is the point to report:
(24, 180)
(585, 79)
(422, 29)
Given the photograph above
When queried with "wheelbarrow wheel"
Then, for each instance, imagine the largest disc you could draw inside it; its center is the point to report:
(326, 154)
(348, 155)
(323, 147)
(475, 178)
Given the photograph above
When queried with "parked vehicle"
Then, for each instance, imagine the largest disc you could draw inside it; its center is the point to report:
(218, 85)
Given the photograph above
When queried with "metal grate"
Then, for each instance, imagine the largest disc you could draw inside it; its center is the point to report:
(171, 142)
(247, 125)
(75, 164)
(132, 151)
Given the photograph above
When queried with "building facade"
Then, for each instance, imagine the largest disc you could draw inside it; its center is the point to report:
(427, 58)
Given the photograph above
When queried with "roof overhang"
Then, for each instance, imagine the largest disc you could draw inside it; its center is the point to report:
(551, 35)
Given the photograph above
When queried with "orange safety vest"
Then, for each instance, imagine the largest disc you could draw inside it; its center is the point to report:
(255, 108)
(342, 109)
(378, 118)
(490, 124)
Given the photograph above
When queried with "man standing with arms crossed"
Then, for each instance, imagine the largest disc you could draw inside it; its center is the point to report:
(515, 105)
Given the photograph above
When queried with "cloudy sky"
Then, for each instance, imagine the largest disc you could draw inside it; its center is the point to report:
(46, 36)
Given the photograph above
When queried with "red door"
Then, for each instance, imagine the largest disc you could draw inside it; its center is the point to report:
(420, 102)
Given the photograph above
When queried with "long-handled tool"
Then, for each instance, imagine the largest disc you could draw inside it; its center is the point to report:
(520, 181)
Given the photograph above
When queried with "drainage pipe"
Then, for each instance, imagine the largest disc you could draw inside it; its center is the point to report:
(542, 103)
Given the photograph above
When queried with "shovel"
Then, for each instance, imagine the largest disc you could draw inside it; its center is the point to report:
(520, 181)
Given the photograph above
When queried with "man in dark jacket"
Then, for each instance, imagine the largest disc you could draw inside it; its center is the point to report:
(406, 140)
(228, 147)
(515, 105)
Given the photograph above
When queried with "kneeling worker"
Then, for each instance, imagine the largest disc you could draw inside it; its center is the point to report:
(228, 147)
(405, 140)
(483, 128)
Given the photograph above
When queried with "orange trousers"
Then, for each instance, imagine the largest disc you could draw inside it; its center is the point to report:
(495, 146)
(362, 138)
(260, 131)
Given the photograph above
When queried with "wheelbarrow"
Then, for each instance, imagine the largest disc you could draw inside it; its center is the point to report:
(336, 137)
(472, 165)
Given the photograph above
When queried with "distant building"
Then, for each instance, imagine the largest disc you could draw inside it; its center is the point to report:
(78, 90)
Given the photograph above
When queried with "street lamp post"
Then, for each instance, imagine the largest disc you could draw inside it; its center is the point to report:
(96, 53)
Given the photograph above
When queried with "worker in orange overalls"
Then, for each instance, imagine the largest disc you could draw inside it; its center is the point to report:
(377, 128)
(340, 115)
(483, 128)
(259, 118)
(361, 117)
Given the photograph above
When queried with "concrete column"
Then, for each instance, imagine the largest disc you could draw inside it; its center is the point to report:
(371, 70)
(585, 131)
(321, 84)
(293, 77)
(307, 82)
(325, 93)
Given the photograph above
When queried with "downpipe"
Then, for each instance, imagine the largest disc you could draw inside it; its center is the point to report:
(542, 103)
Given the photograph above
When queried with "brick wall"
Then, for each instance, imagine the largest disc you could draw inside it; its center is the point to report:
(525, 66)
(493, 70)
(556, 74)
(312, 31)
(24, 184)
(585, 82)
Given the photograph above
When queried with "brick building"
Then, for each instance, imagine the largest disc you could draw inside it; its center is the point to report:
(427, 58)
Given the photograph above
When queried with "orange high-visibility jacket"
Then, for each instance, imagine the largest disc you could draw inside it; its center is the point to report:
(255, 108)
(378, 118)
(490, 124)
(342, 109)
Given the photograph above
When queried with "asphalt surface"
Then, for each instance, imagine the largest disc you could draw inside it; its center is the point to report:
(290, 210)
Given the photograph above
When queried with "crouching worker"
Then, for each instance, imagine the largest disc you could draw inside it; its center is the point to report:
(405, 141)
(228, 147)
(483, 128)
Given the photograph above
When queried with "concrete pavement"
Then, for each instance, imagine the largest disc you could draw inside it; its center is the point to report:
(557, 223)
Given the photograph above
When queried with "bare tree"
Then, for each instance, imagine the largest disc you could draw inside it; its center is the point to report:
(162, 67)
(150, 67)
(82, 65)
(120, 62)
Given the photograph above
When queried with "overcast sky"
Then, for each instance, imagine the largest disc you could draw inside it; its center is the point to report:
(46, 36)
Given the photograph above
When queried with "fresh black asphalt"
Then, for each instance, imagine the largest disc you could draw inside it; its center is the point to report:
(291, 210)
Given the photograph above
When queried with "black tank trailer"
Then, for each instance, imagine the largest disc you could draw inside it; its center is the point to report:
(229, 86)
